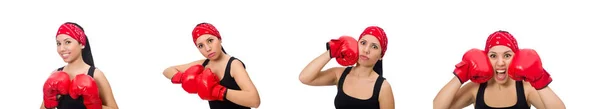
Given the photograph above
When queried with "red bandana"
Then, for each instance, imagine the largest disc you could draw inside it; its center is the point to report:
(73, 31)
(379, 34)
(205, 28)
(501, 38)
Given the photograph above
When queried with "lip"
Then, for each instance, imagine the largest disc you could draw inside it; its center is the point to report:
(363, 57)
(210, 55)
(65, 55)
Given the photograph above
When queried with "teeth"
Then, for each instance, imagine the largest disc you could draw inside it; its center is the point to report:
(500, 71)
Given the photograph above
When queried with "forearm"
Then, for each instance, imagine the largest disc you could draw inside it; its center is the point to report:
(107, 107)
(311, 71)
(169, 72)
(550, 99)
(244, 98)
(444, 98)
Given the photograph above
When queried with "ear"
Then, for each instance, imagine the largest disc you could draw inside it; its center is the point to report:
(82, 46)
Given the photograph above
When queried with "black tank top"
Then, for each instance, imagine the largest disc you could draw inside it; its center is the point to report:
(521, 100)
(229, 83)
(343, 101)
(66, 102)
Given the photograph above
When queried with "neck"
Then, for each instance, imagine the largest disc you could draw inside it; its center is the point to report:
(509, 83)
(363, 71)
(221, 58)
(77, 63)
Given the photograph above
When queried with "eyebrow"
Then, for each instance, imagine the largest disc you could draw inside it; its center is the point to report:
(504, 52)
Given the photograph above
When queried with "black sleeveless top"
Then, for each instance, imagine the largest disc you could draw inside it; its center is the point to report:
(521, 100)
(229, 83)
(344, 101)
(66, 102)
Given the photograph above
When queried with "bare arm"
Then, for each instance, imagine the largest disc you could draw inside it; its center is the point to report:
(452, 96)
(248, 95)
(544, 98)
(313, 76)
(386, 97)
(170, 71)
(108, 99)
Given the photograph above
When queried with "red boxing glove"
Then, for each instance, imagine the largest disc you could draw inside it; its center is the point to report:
(475, 66)
(209, 87)
(188, 78)
(344, 49)
(527, 66)
(57, 84)
(85, 86)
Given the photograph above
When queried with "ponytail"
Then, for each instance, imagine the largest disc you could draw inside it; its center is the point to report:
(86, 53)
(378, 68)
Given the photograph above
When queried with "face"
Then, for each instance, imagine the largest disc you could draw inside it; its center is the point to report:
(209, 46)
(500, 58)
(369, 50)
(68, 48)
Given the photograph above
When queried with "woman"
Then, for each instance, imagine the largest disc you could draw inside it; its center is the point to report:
(359, 87)
(502, 58)
(220, 78)
(89, 88)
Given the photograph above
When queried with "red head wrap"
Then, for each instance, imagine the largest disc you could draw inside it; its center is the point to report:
(205, 28)
(501, 38)
(73, 31)
(379, 34)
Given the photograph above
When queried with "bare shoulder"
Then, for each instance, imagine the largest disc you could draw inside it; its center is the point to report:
(98, 74)
(337, 70)
(386, 85)
(238, 64)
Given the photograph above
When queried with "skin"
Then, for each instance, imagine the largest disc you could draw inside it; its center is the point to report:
(499, 93)
(359, 83)
(210, 47)
(75, 65)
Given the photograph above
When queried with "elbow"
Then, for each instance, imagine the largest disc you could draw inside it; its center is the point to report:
(256, 102)
(304, 80)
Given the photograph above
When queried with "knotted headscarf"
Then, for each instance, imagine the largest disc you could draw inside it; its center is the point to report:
(205, 28)
(501, 38)
(74, 31)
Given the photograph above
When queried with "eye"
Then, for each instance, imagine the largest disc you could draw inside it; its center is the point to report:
(363, 42)
(67, 42)
(200, 45)
(493, 56)
(57, 43)
(507, 56)
(375, 46)
(210, 40)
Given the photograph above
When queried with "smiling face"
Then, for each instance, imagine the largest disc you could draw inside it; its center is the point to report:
(500, 58)
(68, 48)
(369, 50)
(209, 46)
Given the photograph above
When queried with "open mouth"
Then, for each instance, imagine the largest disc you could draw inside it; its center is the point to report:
(501, 75)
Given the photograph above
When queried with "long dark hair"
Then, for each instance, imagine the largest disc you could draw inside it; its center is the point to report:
(378, 68)
(86, 53)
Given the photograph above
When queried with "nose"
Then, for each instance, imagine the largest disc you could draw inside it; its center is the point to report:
(62, 48)
(208, 48)
(500, 61)
(365, 49)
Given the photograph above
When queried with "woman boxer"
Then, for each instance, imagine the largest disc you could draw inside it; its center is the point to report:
(361, 86)
(89, 88)
(502, 58)
(220, 78)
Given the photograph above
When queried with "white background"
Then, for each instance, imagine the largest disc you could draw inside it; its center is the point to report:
(133, 42)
